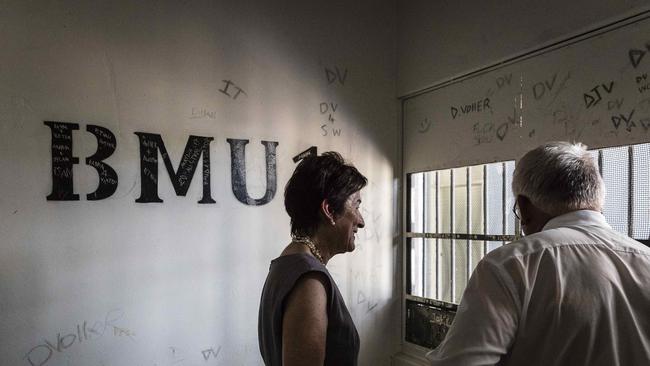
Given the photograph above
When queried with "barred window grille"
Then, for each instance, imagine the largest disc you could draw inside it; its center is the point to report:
(456, 216)
(626, 172)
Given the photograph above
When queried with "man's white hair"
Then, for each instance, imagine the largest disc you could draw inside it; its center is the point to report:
(559, 177)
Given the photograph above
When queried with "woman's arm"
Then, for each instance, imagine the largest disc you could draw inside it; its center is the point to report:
(304, 324)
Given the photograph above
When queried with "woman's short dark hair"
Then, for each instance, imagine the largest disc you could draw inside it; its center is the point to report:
(318, 178)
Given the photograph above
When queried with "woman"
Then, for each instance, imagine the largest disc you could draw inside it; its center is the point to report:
(303, 319)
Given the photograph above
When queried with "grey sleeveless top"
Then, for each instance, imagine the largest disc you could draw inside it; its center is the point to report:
(342, 347)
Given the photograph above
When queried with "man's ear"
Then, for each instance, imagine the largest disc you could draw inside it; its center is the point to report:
(533, 218)
(526, 208)
(327, 212)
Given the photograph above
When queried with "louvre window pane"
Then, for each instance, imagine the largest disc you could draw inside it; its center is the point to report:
(641, 189)
(510, 199)
(431, 268)
(477, 223)
(416, 223)
(430, 201)
(444, 178)
(492, 245)
(460, 201)
(494, 198)
(445, 270)
(460, 268)
(615, 174)
(477, 252)
(417, 279)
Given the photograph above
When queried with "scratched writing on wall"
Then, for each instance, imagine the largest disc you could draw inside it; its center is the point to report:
(80, 333)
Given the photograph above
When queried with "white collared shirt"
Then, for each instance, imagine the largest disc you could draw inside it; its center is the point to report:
(577, 293)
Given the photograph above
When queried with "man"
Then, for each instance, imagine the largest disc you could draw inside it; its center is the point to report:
(572, 292)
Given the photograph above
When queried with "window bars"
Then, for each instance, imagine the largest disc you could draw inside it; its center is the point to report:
(456, 216)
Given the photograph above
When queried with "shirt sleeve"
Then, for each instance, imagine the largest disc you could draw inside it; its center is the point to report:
(486, 321)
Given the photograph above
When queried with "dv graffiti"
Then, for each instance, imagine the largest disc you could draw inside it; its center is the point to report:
(593, 97)
(628, 123)
(210, 353)
(501, 82)
(550, 87)
(615, 104)
(336, 75)
(330, 108)
(642, 83)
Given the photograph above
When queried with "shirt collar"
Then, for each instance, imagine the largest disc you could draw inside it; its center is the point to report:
(580, 217)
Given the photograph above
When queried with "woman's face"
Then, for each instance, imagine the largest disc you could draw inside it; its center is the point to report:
(348, 222)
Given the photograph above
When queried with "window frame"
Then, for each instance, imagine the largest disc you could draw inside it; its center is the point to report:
(409, 234)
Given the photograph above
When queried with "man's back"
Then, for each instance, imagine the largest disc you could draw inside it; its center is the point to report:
(576, 293)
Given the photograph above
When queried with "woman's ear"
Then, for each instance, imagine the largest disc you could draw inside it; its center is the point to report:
(327, 212)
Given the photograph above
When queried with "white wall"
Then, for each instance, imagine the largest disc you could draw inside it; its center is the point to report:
(438, 40)
(116, 282)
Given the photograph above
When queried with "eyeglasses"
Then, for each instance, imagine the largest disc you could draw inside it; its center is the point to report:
(515, 210)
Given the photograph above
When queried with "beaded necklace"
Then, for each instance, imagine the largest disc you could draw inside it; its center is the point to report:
(310, 244)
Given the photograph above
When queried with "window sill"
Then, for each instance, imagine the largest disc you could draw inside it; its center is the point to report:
(406, 359)
(411, 355)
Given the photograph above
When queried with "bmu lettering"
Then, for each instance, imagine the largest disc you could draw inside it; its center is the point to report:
(151, 144)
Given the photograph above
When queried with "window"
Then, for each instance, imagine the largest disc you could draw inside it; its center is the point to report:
(456, 216)
(626, 172)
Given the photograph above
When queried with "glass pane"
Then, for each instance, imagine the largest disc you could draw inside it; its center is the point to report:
(415, 216)
(444, 179)
(417, 268)
(460, 268)
(494, 198)
(460, 201)
(445, 270)
(476, 248)
(616, 177)
(477, 223)
(430, 268)
(430, 198)
(467, 200)
(641, 189)
(492, 245)
(510, 199)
